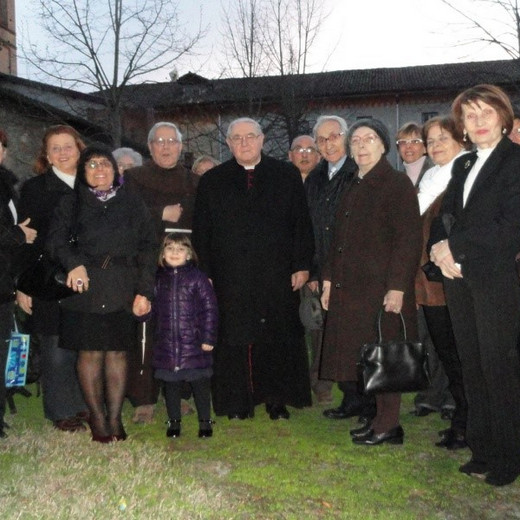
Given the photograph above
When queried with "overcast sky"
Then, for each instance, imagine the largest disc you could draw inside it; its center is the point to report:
(357, 34)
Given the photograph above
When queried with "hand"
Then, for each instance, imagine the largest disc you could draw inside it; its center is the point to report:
(30, 233)
(393, 301)
(298, 279)
(206, 347)
(172, 213)
(442, 257)
(313, 286)
(325, 295)
(24, 301)
(78, 280)
(141, 305)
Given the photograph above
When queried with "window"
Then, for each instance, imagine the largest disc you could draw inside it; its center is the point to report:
(428, 115)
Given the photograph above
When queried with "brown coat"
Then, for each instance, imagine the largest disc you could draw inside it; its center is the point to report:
(376, 247)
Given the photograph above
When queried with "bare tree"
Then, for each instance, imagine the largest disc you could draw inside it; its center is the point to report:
(492, 22)
(273, 38)
(104, 45)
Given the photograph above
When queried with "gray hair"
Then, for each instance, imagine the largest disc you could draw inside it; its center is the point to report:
(204, 158)
(298, 137)
(323, 119)
(137, 158)
(151, 133)
(257, 126)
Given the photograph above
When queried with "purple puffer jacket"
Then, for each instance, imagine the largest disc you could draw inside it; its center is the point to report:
(186, 315)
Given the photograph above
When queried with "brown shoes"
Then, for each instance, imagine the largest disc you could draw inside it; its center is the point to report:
(70, 424)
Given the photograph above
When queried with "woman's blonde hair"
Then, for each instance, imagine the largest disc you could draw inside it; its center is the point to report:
(181, 239)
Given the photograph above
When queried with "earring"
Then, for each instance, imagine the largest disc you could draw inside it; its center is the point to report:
(465, 138)
(504, 131)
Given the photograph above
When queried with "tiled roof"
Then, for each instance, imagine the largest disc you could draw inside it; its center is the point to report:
(346, 83)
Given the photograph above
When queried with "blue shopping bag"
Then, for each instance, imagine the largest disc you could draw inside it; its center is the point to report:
(17, 358)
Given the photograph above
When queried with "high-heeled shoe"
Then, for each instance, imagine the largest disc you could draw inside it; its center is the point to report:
(205, 428)
(174, 428)
(393, 436)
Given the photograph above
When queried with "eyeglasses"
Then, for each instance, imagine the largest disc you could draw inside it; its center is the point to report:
(161, 141)
(304, 150)
(175, 248)
(94, 165)
(333, 138)
(442, 140)
(68, 148)
(404, 142)
(240, 139)
(485, 114)
(367, 139)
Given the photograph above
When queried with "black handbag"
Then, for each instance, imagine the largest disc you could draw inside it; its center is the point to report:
(44, 279)
(394, 366)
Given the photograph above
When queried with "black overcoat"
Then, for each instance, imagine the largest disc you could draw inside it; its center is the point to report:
(249, 243)
(121, 228)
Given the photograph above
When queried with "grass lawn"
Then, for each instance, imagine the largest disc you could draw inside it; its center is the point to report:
(304, 468)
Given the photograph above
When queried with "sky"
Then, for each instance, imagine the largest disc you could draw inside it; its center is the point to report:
(358, 34)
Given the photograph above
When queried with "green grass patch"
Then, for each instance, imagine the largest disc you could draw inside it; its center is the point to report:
(304, 468)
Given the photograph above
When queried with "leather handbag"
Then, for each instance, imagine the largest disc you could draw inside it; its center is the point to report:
(44, 279)
(394, 366)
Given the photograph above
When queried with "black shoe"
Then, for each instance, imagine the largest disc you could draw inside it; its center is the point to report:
(475, 468)
(361, 433)
(452, 440)
(501, 478)
(174, 428)
(363, 429)
(422, 411)
(447, 414)
(238, 415)
(343, 412)
(393, 436)
(205, 428)
(278, 412)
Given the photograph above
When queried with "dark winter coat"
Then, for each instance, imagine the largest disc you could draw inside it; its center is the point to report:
(120, 228)
(186, 316)
(249, 243)
(160, 187)
(376, 248)
(39, 198)
(323, 196)
(11, 235)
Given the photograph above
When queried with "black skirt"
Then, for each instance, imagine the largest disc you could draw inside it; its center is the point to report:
(89, 331)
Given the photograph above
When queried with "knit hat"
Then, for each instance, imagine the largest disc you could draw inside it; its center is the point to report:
(377, 126)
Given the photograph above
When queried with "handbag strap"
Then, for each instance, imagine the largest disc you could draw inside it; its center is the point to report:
(15, 324)
(380, 317)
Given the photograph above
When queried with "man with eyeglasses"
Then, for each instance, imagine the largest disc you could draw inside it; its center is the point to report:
(253, 235)
(168, 189)
(324, 187)
(413, 152)
(304, 154)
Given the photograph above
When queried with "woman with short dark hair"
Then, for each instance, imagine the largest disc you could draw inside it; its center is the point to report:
(111, 265)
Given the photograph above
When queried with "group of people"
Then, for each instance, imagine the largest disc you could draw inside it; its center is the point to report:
(193, 282)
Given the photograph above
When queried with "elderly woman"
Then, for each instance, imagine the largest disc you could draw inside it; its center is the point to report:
(444, 142)
(476, 238)
(126, 158)
(55, 167)
(11, 237)
(372, 263)
(204, 163)
(111, 265)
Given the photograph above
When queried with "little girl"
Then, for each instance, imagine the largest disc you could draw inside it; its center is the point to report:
(186, 316)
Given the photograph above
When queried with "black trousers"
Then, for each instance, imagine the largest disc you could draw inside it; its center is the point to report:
(201, 389)
(485, 314)
(6, 326)
(441, 332)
